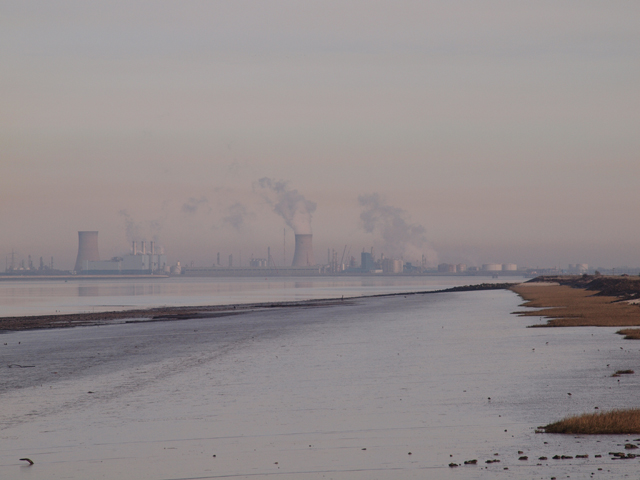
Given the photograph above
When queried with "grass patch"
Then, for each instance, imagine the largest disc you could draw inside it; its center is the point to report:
(564, 306)
(630, 333)
(623, 372)
(603, 423)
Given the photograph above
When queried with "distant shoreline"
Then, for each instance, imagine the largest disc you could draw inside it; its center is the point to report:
(253, 273)
(33, 322)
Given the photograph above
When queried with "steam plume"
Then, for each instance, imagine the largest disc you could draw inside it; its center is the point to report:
(132, 228)
(399, 237)
(193, 204)
(289, 204)
(141, 230)
(237, 213)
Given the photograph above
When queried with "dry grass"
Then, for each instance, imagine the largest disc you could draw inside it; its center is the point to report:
(567, 307)
(604, 423)
(630, 333)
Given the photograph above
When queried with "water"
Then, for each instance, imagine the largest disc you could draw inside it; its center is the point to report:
(45, 297)
(344, 391)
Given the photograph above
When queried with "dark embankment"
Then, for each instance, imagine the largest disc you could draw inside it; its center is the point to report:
(184, 313)
(146, 315)
(623, 287)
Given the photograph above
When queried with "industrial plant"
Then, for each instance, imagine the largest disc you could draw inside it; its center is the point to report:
(136, 263)
(145, 258)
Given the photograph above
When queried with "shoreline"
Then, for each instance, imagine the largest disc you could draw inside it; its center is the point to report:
(580, 301)
(155, 314)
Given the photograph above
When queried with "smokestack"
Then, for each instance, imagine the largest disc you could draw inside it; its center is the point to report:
(87, 249)
(152, 248)
(135, 248)
(303, 256)
(144, 248)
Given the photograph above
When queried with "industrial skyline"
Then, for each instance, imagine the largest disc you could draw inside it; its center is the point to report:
(142, 261)
(470, 133)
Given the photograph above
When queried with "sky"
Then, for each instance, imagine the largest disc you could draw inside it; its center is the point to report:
(469, 132)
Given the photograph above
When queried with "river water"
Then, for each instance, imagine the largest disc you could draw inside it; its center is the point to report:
(45, 297)
(372, 388)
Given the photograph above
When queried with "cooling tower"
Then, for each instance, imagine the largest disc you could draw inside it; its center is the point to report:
(87, 249)
(303, 256)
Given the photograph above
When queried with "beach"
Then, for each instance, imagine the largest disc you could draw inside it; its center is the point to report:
(383, 387)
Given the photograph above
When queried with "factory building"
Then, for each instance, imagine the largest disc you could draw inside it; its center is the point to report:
(137, 263)
(258, 263)
(390, 265)
(366, 262)
(447, 268)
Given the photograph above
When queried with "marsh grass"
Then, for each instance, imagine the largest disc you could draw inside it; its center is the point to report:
(564, 306)
(603, 423)
(630, 333)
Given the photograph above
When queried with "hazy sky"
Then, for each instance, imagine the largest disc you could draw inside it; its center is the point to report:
(483, 131)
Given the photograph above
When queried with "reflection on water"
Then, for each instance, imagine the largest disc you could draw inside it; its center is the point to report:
(51, 296)
(85, 291)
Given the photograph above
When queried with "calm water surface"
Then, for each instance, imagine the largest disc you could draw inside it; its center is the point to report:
(45, 297)
(375, 388)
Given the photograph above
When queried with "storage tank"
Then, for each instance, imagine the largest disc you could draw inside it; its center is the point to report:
(509, 267)
(492, 267)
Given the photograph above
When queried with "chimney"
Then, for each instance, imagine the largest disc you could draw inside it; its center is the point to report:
(135, 248)
(303, 256)
(87, 249)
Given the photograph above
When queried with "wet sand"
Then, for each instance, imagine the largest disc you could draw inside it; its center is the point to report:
(387, 388)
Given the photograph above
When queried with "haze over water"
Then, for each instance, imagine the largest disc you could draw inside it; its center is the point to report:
(480, 132)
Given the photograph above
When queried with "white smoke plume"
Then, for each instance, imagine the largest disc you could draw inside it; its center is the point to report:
(400, 238)
(141, 231)
(236, 215)
(289, 204)
(131, 227)
(193, 204)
